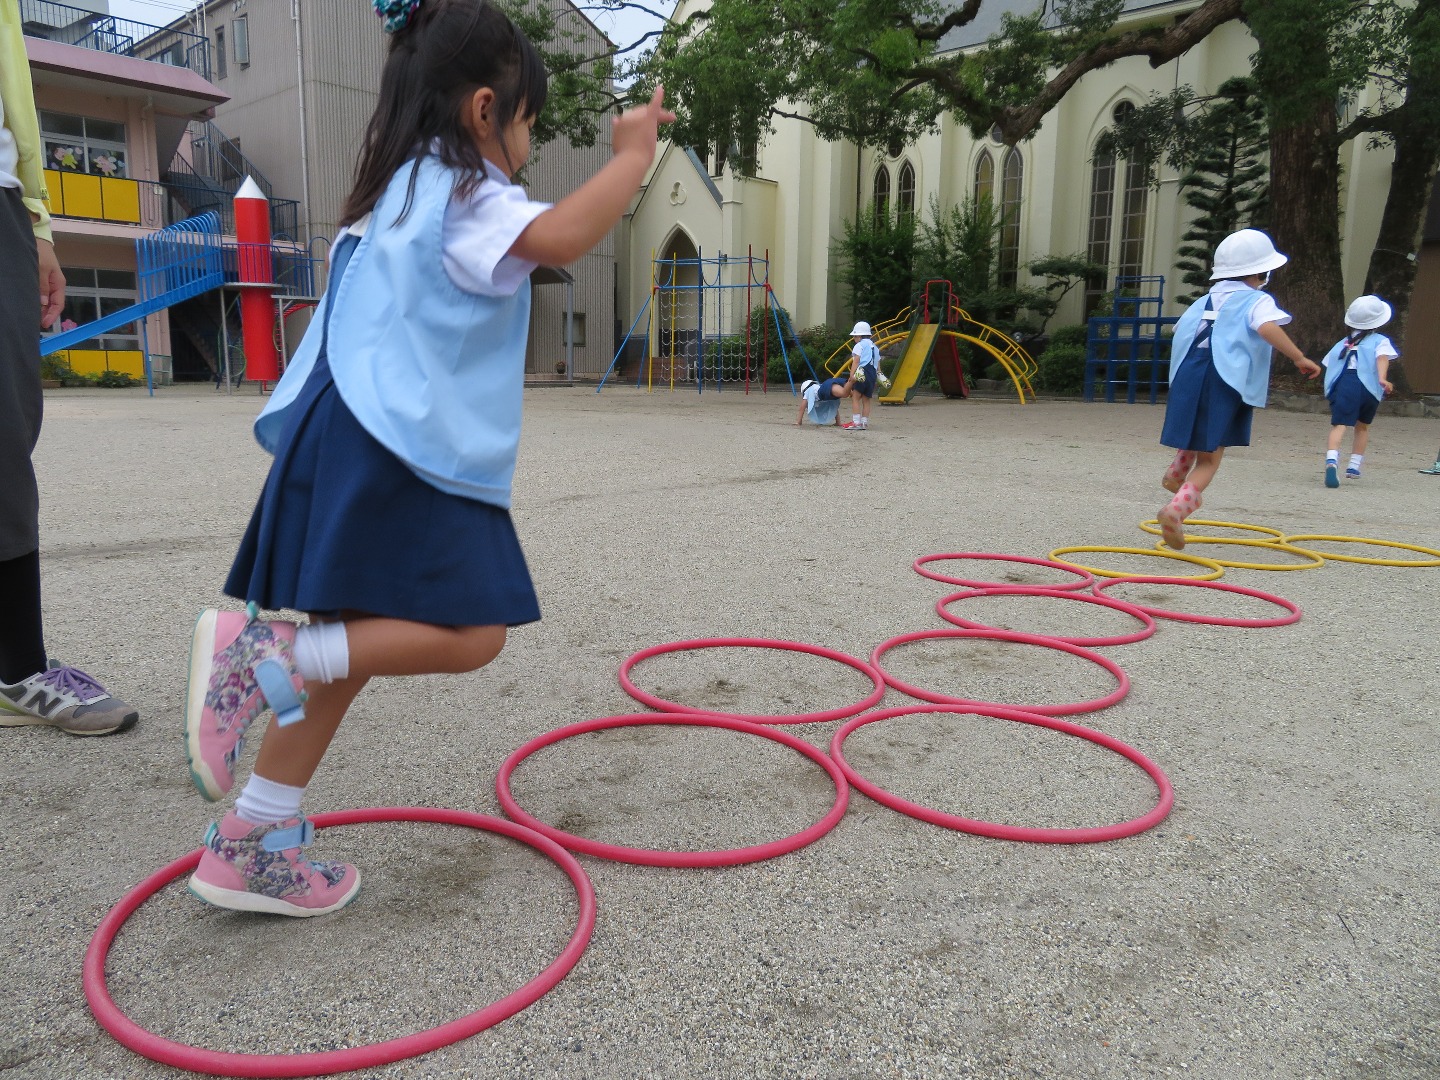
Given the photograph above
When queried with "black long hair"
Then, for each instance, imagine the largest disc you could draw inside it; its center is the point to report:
(449, 50)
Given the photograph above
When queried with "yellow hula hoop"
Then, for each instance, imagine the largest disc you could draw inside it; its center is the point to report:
(1314, 557)
(1214, 567)
(1434, 561)
(1152, 526)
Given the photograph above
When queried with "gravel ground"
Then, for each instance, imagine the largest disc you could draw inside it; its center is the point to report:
(1281, 923)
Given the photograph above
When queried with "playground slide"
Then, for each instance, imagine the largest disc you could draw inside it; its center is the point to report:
(918, 348)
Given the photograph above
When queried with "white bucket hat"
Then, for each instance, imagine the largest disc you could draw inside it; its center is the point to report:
(1244, 253)
(860, 329)
(1368, 313)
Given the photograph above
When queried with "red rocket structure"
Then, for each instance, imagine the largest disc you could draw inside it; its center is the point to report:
(256, 282)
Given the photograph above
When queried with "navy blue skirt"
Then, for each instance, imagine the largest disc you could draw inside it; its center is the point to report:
(1202, 411)
(344, 525)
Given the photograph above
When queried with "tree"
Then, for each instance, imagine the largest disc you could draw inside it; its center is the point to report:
(876, 71)
(1219, 149)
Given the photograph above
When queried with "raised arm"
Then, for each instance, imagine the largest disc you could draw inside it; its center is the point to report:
(580, 220)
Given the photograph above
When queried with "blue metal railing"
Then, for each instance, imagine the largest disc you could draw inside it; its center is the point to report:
(176, 263)
(122, 37)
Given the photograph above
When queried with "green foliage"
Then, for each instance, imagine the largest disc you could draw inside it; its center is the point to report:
(1220, 148)
(108, 380)
(1074, 334)
(579, 96)
(1062, 369)
(877, 255)
(867, 70)
(55, 367)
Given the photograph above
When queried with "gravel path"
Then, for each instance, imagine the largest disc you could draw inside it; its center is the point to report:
(1281, 923)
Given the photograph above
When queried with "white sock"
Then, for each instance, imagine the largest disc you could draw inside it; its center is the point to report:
(1332, 457)
(264, 801)
(322, 652)
(1355, 460)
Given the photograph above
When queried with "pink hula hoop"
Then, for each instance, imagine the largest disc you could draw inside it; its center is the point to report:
(1147, 624)
(1093, 705)
(1032, 834)
(1292, 609)
(821, 717)
(222, 1063)
(654, 857)
(920, 567)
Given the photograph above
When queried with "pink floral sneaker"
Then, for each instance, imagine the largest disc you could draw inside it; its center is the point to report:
(262, 868)
(239, 665)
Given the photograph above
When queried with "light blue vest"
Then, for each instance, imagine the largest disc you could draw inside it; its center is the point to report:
(1241, 356)
(434, 373)
(1366, 365)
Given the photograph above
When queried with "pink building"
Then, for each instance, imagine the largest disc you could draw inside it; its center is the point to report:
(115, 100)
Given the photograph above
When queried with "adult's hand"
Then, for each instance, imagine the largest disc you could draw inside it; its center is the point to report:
(52, 284)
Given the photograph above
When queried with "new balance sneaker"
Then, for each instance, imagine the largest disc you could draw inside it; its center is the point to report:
(248, 867)
(1332, 474)
(66, 698)
(240, 664)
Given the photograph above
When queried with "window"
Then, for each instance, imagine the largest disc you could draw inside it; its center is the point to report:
(240, 31)
(1116, 242)
(905, 190)
(880, 205)
(578, 339)
(83, 144)
(1102, 221)
(985, 177)
(1011, 187)
(221, 59)
(91, 294)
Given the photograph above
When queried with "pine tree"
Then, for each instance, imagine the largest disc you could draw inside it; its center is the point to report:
(1226, 183)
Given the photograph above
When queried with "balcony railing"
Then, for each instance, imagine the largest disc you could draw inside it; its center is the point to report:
(123, 37)
(153, 204)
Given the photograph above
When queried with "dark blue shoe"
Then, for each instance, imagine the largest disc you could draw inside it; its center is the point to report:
(1332, 474)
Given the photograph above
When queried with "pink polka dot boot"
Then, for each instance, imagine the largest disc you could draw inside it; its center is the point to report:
(240, 664)
(247, 867)
(1177, 472)
(1172, 518)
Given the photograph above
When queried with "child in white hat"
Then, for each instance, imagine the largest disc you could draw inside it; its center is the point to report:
(1355, 381)
(1220, 371)
(865, 371)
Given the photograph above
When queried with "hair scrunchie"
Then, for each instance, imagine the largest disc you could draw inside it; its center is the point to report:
(396, 14)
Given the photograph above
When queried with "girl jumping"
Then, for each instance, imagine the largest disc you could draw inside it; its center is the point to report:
(1220, 371)
(394, 432)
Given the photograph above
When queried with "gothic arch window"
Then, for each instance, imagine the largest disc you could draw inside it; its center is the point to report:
(905, 190)
(1114, 240)
(1012, 181)
(985, 176)
(880, 201)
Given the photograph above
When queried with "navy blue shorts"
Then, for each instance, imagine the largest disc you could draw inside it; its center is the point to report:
(1350, 402)
(865, 381)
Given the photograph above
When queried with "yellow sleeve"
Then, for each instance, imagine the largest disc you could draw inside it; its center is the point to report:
(19, 101)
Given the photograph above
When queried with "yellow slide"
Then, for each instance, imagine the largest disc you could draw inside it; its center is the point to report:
(917, 351)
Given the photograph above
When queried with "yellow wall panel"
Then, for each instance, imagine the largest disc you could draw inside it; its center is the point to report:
(131, 362)
(82, 196)
(121, 198)
(56, 187)
(85, 361)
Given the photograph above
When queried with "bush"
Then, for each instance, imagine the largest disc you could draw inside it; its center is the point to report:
(1062, 369)
(1071, 335)
(55, 367)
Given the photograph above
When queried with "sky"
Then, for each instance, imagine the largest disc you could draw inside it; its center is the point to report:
(623, 27)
